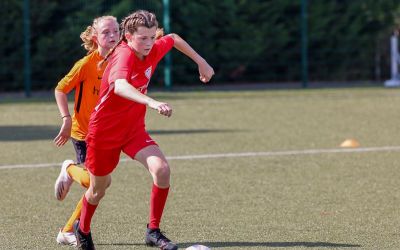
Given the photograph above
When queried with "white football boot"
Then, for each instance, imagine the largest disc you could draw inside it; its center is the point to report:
(67, 238)
(63, 182)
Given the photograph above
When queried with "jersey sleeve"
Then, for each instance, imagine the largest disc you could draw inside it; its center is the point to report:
(163, 45)
(122, 65)
(72, 79)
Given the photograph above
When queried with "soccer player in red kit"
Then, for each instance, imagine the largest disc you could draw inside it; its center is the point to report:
(118, 121)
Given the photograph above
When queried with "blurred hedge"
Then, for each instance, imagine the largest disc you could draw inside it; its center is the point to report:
(245, 40)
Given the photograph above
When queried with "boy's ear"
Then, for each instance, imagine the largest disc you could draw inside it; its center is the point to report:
(128, 36)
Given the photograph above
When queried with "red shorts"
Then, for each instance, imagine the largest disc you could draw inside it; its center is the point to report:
(101, 162)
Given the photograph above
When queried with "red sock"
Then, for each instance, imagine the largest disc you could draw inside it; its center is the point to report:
(86, 215)
(158, 199)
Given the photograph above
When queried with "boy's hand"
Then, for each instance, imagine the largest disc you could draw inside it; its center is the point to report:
(65, 132)
(206, 72)
(162, 107)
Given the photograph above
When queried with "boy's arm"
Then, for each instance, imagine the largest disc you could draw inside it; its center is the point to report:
(205, 70)
(65, 130)
(126, 90)
(62, 103)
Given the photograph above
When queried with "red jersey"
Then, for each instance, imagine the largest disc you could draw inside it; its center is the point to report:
(115, 119)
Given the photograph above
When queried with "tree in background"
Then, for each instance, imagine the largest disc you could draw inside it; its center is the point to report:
(246, 40)
(12, 44)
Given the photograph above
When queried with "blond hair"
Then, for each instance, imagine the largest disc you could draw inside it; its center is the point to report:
(87, 35)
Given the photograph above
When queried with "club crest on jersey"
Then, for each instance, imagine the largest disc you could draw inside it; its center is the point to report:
(147, 73)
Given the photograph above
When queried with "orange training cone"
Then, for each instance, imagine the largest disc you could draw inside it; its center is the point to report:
(350, 143)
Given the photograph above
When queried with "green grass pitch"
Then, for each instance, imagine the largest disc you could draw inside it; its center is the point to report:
(284, 198)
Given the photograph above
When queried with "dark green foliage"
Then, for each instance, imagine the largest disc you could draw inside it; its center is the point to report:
(11, 49)
(244, 40)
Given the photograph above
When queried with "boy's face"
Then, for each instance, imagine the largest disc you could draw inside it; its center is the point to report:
(142, 40)
(107, 33)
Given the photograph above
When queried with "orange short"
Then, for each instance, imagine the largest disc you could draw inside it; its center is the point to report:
(101, 162)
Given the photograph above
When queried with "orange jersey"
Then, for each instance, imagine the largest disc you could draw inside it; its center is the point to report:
(85, 78)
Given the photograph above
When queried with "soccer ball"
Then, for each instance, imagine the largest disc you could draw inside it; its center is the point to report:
(198, 247)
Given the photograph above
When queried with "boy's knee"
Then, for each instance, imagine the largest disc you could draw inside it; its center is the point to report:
(162, 170)
(96, 195)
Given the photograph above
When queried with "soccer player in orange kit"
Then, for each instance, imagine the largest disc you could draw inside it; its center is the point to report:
(85, 78)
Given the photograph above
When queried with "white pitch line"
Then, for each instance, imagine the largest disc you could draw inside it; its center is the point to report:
(284, 153)
(244, 154)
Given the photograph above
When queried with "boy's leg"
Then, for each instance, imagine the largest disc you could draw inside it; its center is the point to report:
(79, 174)
(100, 164)
(90, 200)
(73, 170)
(153, 159)
(75, 216)
(80, 150)
(70, 171)
(146, 151)
(66, 236)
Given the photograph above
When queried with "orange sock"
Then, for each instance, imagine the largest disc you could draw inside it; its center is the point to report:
(75, 216)
(79, 175)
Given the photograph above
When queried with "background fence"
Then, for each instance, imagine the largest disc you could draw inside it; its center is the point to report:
(245, 40)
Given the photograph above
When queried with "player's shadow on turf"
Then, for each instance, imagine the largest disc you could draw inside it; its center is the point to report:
(268, 244)
(28, 133)
(120, 244)
(190, 131)
(247, 244)
(42, 132)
